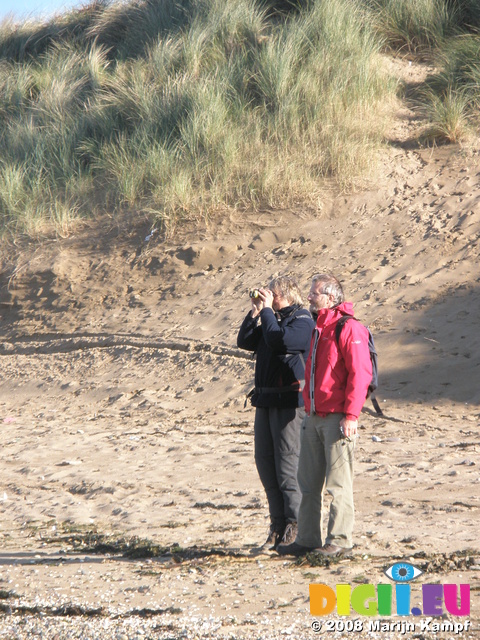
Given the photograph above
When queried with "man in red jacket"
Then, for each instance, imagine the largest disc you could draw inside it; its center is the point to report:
(337, 376)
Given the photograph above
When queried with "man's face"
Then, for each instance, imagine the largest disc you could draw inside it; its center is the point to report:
(317, 299)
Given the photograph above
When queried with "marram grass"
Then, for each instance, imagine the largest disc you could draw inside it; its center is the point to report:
(183, 109)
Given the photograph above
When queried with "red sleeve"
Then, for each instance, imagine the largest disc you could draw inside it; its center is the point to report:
(353, 344)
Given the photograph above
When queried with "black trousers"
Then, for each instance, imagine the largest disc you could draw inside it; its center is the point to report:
(277, 447)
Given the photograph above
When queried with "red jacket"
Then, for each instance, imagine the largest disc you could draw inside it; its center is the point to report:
(337, 376)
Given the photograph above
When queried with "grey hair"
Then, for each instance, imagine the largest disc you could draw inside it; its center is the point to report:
(330, 286)
(288, 288)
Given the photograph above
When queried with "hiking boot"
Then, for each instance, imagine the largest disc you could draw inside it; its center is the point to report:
(293, 549)
(275, 535)
(332, 550)
(290, 533)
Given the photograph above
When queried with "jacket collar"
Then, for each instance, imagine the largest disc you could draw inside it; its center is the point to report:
(326, 317)
(286, 312)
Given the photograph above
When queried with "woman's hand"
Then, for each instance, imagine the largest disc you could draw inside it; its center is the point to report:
(264, 300)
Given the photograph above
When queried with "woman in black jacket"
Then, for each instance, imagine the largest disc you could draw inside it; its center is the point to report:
(278, 329)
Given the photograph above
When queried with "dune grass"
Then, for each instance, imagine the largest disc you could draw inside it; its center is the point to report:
(452, 96)
(413, 26)
(447, 33)
(183, 108)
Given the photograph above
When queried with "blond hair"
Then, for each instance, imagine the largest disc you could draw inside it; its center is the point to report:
(288, 288)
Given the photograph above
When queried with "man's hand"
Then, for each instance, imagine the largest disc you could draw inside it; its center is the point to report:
(349, 427)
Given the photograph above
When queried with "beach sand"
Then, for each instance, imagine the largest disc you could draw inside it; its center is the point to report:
(130, 506)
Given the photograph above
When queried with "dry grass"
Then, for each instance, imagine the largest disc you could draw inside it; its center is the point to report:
(199, 107)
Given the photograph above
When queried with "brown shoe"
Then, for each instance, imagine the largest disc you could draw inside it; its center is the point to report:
(290, 533)
(274, 537)
(332, 550)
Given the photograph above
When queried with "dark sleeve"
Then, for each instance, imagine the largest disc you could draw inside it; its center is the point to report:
(249, 333)
(293, 337)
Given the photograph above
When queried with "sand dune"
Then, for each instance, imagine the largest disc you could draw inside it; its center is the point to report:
(122, 417)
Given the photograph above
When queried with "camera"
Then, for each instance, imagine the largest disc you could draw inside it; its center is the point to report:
(254, 293)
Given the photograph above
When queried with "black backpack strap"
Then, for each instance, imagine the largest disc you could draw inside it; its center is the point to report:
(340, 324)
(300, 355)
(376, 406)
(302, 359)
(338, 329)
(302, 381)
(248, 396)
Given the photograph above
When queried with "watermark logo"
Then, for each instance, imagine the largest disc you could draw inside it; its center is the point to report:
(387, 600)
(402, 572)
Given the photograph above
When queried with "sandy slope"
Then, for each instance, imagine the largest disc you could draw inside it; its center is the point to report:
(122, 409)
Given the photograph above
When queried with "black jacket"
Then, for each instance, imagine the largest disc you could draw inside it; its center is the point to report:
(281, 342)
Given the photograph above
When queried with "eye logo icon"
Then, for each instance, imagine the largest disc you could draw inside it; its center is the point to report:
(402, 572)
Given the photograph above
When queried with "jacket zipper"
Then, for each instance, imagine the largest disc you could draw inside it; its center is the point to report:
(312, 373)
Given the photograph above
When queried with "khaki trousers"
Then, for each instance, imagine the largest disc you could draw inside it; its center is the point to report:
(326, 462)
